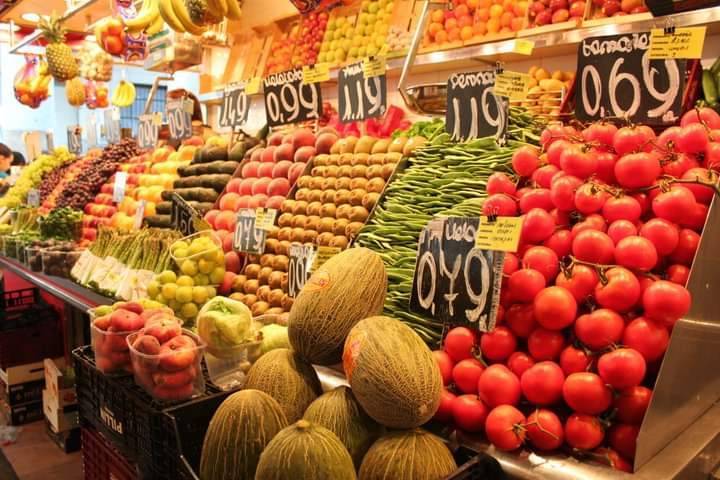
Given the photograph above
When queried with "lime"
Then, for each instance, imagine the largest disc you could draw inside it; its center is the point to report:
(184, 294)
(168, 276)
(169, 290)
(217, 275)
(200, 295)
(205, 266)
(189, 310)
(185, 281)
(189, 267)
(153, 289)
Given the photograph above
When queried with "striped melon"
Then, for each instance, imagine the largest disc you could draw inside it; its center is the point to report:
(408, 455)
(347, 288)
(339, 412)
(287, 378)
(392, 372)
(305, 451)
(238, 433)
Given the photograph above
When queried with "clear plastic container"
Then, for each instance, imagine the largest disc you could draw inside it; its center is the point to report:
(205, 253)
(33, 258)
(174, 373)
(59, 263)
(111, 351)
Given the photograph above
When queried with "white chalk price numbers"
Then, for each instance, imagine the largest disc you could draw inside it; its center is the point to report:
(473, 110)
(289, 100)
(179, 118)
(235, 107)
(360, 96)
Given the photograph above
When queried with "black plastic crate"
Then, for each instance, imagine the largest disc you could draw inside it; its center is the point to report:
(22, 308)
(476, 466)
(101, 461)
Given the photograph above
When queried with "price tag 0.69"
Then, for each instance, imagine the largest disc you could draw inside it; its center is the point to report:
(148, 131)
(248, 237)
(179, 118)
(235, 107)
(473, 110)
(288, 100)
(182, 215)
(454, 282)
(360, 96)
(74, 139)
(301, 260)
(616, 79)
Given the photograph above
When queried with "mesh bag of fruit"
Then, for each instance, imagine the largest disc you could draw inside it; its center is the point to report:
(31, 82)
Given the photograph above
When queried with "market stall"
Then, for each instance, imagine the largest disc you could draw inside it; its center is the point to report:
(373, 239)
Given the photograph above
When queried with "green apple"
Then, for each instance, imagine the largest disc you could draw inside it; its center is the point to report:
(338, 34)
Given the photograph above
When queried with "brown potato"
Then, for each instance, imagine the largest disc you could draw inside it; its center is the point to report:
(287, 302)
(310, 236)
(240, 297)
(387, 170)
(313, 222)
(272, 232)
(271, 245)
(239, 283)
(251, 286)
(281, 263)
(284, 247)
(297, 234)
(275, 279)
(264, 275)
(259, 308)
(275, 297)
(263, 292)
(266, 259)
(250, 300)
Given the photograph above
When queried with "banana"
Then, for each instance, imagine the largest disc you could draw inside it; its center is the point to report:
(131, 93)
(233, 10)
(182, 14)
(167, 13)
(156, 27)
(124, 94)
(147, 15)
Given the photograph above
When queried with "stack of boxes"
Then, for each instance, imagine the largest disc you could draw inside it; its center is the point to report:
(21, 388)
(60, 406)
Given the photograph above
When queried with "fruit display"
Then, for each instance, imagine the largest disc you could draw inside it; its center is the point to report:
(75, 92)
(96, 95)
(224, 323)
(166, 361)
(546, 91)
(338, 38)
(60, 182)
(94, 63)
(61, 224)
(311, 31)
(32, 175)
(34, 248)
(32, 82)
(110, 35)
(61, 62)
(398, 40)
(281, 50)
(123, 95)
(613, 8)
(370, 32)
(546, 12)
(194, 16)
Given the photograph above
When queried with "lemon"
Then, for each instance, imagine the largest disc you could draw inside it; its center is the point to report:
(200, 294)
(185, 281)
(189, 310)
(189, 267)
(184, 294)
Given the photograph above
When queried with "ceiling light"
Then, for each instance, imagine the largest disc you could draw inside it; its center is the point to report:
(30, 17)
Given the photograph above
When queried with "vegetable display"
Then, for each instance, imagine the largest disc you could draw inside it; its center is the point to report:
(32, 175)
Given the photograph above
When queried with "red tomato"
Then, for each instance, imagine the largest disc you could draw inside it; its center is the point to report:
(665, 302)
(620, 229)
(593, 246)
(591, 222)
(519, 362)
(633, 139)
(525, 284)
(622, 208)
(600, 132)
(560, 242)
(692, 138)
(444, 413)
(500, 204)
(520, 318)
(574, 360)
(643, 200)
(542, 259)
(542, 383)
(561, 217)
(562, 191)
(606, 167)
(460, 343)
(632, 403)
(586, 393)
(623, 438)
(544, 430)
(674, 204)
(499, 182)
(611, 458)
(525, 160)
(647, 337)
(505, 427)
(469, 413)
(677, 164)
(622, 291)
(556, 149)
(637, 170)
(543, 176)
(666, 140)
(696, 218)
(583, 431)
(498, 344)
(705, 115)
(466, 374)
(555, 308)
(577, 162)
(589, 198)
(702, 193)
(545, 344)
(663, 234)
(510, 264)
(581, 283)
(599, 329)
(499, 386)
(445, 364)
(712, 154)
(622, 368)
(537, 226)
(678, 274)
(536, 198)
(637, 253)
(688, 242)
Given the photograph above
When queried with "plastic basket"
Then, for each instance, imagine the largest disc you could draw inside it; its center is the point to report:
(101, 461)
(198, 255)
(33, 258)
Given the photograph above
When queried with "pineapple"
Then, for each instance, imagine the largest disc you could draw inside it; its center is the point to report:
(61, 63)
(200, 13)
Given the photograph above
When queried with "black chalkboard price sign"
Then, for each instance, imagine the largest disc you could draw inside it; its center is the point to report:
(455, 282)
(360, 97)
(473, 110)
(148, 130)
(182, 215)
(249, 238)
(74, 139)
(235, 107)
(299, 265)
(616, 79)
(288, 100)
(179, 118)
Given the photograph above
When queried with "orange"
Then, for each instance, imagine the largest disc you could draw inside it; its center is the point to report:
(466, 33)
(441, 36)
(465, 21)
(437, 16)
(496, 11)
(454, 35)
(508, 5)
(520, 8)
(516, 24)
(461, 10)
(485, 3)
(483, 14)
(434, 27)
(473, 4)
(480, 28)
(450, 23)
(493, 25)
(505, 19)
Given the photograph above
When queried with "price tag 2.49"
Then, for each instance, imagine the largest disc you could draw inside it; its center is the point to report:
(299, 266)
(360, 96)
(288, 100)
(148, 130)
(248, 237)
(235, 107)
(179, 118)
(473, 110)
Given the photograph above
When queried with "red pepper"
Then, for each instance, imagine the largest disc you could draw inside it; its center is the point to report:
(392, 119)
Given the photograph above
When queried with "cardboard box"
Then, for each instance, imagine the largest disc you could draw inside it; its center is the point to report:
(28, 372)
(61, 419)
(22, 392)
(55, 378)
(22, 414)
(68, 441)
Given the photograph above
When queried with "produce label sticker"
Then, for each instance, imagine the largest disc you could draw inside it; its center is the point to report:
(502, 234)
(677, 43)
(253, 85)
(33, 198)
(265, 218)
(320, 72)
(139, 214)
(513, 85)
(119, 186)
(300, 263)
(523, 47)
(323, 255)
(373, 66)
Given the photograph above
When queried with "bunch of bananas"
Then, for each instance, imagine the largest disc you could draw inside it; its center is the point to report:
(124, 94)
(148, 19)
(177, 15)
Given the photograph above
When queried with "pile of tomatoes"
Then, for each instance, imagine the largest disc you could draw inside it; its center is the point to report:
(612, 221)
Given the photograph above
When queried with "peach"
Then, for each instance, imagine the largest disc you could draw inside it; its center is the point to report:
(103, 323)
(225, 220)
(226, 286)
(287, 138)
(279, 186)
(157, 314)
(177, 354)
(295, 171)
(176, 379)
(115, 341)
(258, 200)
(304, 154)
(229, 201)
(227, 242)
(275, 202)
(122, 320)
(275, 139)
(284, 152)
(232, 262)
(234, 185)
(169, 394)
(163, 330)
(256, 155)
(211, 215)
(269, 154)
(147, 344)
(245, 200)
(131, 307)
(261, 185)
(246, 186)
(250, 169)
(303, 137)
(266, 170)
(281, 169)
(324, 142)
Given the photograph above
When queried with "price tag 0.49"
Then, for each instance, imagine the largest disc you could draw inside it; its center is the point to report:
(179, 118)
(235, 107)
(148, 131)
(616, 79)
(182, 215)
(473, 110)
(74, 139)
(299, 266)
(288, 100)
(248, 237)
(360, 96)
(454, 282)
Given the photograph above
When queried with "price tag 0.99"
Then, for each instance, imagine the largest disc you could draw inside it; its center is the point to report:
(360, 97)
(616, 79)
(148, 131)
(235, 107)
(455, 282)
(179, 118)
(74, 139)
(473, 110)
(301, 260)
(182, 215)
(248, 237)
(288, 100)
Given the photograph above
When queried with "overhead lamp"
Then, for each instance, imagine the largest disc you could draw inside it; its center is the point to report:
(30, 17)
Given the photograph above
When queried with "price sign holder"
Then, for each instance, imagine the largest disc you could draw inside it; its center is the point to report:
(74, 139)
(119, 186)
(248, 237)
(33, 198)
(473, 110)
(265, 218)
(182, 215)
(374, 66)
(320, 72)
(361, 96)
(616, 79)
(148, 130)
(289, 100)
(235, 107)
(299, 267)
(674, 42)
(139, 214)
(112, 124)
(322, 255)
(179, 118)
(454, 281)
(252, 86)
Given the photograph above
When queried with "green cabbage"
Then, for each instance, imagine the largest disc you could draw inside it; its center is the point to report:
(224, 323)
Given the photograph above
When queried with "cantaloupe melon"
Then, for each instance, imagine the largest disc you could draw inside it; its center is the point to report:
(392, 372)
(238, 433)
(407, 455)
(287, 378)
(344, 290)
(305, 451)
(339, 412)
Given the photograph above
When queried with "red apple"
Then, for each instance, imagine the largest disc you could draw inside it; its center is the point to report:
(227, 242)
(543, 18)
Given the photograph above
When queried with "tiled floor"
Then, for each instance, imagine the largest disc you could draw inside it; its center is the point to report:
(35, 457)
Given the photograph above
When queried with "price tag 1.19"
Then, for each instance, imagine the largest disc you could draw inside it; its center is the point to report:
(616, 79)
(148, 131)
(179, 118)
(182, 215)
(74, 139)
(299, 266)
(235, 107)
(33, 198)
(248, 237)
(119, 186)
(360, 96)
(288, 100)
(473, 110)
(111, 118)
(455, 282)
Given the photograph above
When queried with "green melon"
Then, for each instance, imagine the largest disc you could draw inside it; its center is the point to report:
(339, 412)
(305, 451)
(347, 288)
(238, 433)
(287, 378)
(408, 455)
(392, 372)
